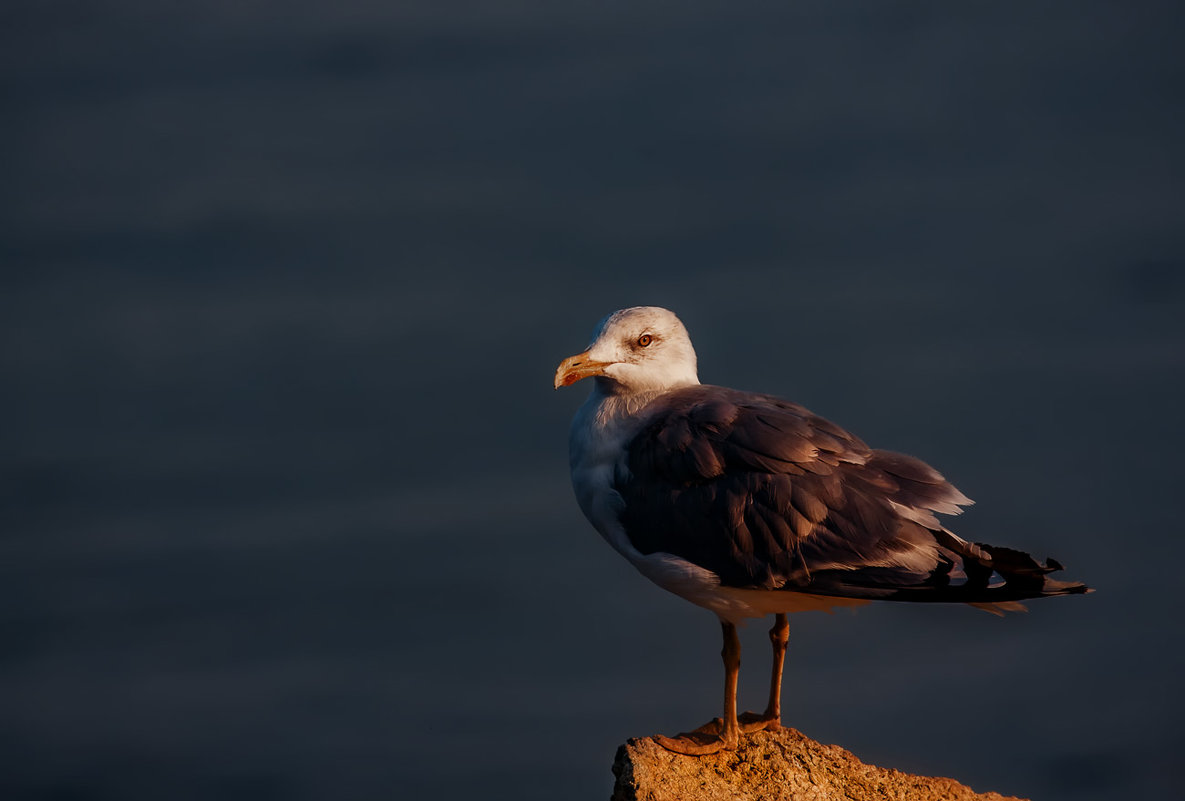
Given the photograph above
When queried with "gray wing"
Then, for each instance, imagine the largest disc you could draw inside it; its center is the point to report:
(767, 495)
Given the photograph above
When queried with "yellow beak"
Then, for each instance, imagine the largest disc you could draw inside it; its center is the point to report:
(574, 368)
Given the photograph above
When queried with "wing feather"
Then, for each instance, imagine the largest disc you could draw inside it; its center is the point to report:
(767, 495)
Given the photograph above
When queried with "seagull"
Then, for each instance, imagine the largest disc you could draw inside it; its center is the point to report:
(748, 505)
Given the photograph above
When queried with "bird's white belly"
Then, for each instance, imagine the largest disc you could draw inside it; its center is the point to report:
(702, 587)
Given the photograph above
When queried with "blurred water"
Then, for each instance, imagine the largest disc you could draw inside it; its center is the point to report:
(285, 501)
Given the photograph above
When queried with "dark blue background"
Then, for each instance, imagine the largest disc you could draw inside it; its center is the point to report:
(285, 499)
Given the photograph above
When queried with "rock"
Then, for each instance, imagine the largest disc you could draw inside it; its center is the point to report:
(785, 765)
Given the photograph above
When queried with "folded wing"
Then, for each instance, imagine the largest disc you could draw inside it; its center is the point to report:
(768, 496)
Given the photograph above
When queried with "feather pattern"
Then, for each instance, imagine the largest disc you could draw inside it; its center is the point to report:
(768, 496)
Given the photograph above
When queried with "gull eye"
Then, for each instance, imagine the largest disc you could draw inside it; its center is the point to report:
(645, 340)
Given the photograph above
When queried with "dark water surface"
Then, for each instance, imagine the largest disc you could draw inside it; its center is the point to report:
(285, 506)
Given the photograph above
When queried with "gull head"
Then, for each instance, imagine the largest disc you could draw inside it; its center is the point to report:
(641, 349)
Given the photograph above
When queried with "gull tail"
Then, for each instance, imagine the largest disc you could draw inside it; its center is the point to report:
(999, 578)
(988, 577)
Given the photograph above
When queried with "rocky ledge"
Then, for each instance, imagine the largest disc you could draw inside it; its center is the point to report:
(785, 765)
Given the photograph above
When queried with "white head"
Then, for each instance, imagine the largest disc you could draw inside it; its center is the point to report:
(641, 349)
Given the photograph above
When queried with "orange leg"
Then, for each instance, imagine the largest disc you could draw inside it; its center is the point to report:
(779, 635)
(723, 733)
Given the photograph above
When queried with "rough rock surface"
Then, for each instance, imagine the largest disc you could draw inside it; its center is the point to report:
(785, 765)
